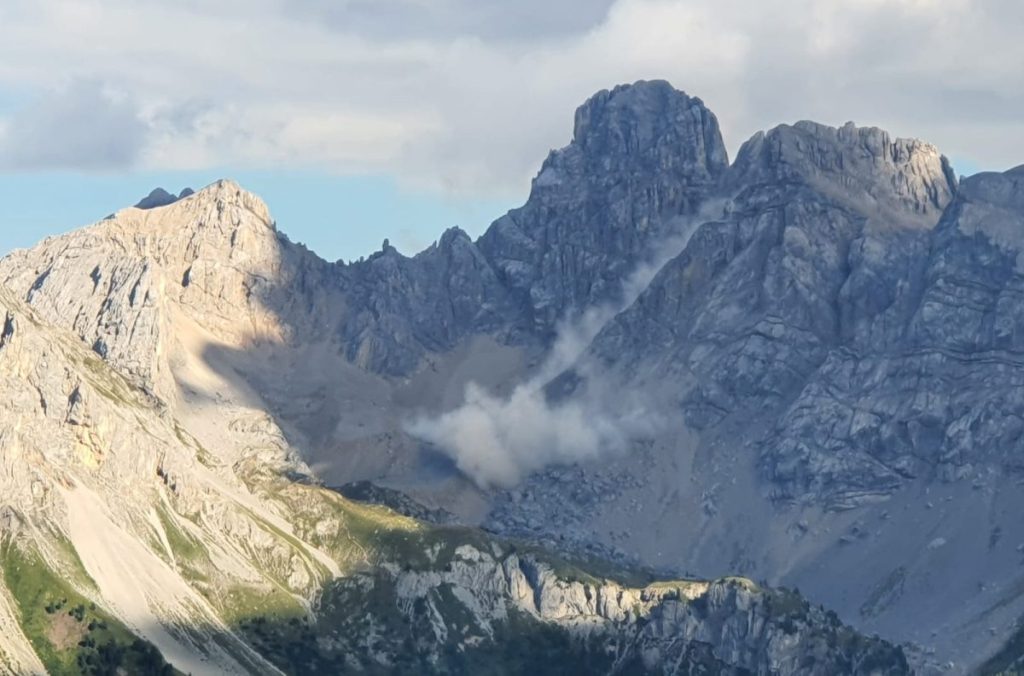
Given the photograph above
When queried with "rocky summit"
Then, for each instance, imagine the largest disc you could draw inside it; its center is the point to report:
(708, 384)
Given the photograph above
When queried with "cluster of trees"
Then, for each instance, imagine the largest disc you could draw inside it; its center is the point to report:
(111, 658)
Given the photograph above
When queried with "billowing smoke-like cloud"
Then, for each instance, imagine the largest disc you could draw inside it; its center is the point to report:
(497, 441)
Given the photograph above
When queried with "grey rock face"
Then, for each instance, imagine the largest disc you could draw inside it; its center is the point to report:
(752, 307)
(849, 322)
(735, 626)
(861, 167)
(943, 393)
(853, 323)
(641, 154)
(218, 257)
(403, 308)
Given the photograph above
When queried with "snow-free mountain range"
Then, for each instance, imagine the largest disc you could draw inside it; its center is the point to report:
(614, 434)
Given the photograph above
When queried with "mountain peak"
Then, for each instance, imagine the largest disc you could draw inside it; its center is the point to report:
(653, 120)
(857, 163)
(1003, 190)
(159, 197)
(227, 192)
(642, 154)
(223, 200)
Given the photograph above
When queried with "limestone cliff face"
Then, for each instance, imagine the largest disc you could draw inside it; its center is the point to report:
(863, 167)
(942, 395)
(213, 259)
(755, 302)
(405, 308)
(640, 156)
(743, 628)
(98, 481)
(849, 326)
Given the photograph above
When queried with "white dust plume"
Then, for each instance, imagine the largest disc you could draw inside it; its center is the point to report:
(497, 441)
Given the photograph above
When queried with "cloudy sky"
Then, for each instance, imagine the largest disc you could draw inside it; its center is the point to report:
(364, 119)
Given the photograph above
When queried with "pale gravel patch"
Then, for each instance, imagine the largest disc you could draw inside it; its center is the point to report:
(140, 588)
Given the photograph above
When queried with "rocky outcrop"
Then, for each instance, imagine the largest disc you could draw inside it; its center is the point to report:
(365, 491)
(726, 626)
(863, 168)
(942, 393)
(753, 306)
(214, 259)
(404, 308)
(641, 155)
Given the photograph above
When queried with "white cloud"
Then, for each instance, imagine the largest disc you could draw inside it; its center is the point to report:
(83, 125)
(468, 96)
(524, 20)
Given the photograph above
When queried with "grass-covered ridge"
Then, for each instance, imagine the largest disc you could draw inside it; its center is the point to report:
(365, 621)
